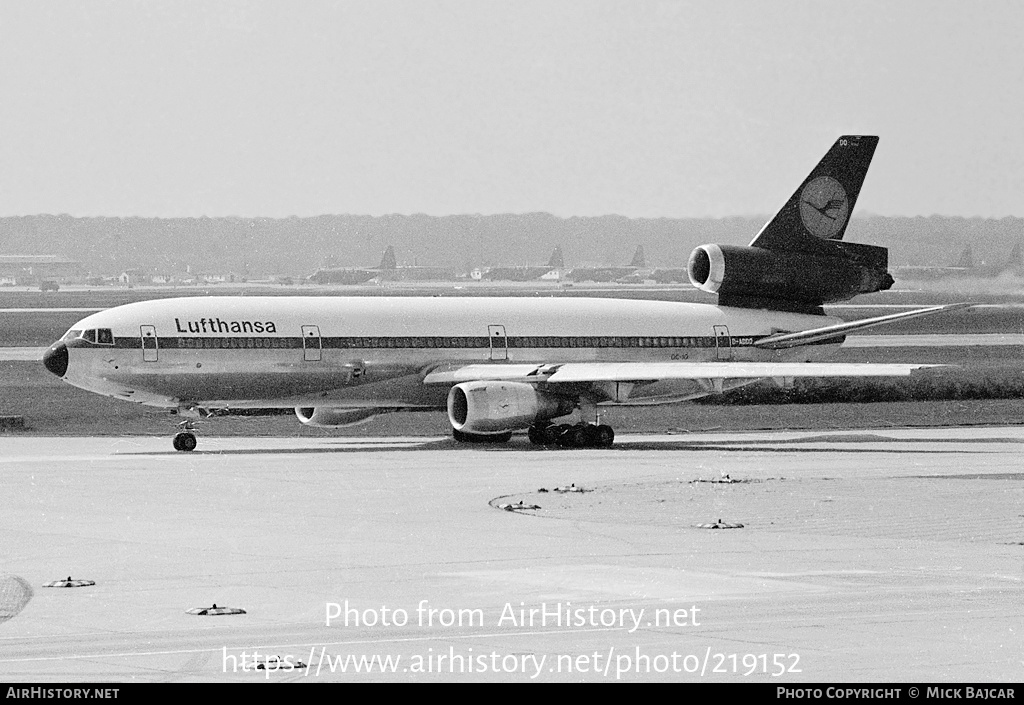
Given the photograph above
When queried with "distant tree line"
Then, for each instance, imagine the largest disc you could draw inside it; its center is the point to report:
(254, 247)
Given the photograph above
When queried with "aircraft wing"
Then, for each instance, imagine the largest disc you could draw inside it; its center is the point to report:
(651, 371)
(815, 335)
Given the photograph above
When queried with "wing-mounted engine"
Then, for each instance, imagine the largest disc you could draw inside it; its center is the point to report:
(326, 417)
(752, 277)
(494, 406)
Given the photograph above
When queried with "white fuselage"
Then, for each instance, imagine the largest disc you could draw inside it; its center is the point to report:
(266, 352)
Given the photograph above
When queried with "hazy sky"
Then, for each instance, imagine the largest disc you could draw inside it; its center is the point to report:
(645, 109)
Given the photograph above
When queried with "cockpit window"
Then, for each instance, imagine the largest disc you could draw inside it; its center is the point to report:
(102, 336)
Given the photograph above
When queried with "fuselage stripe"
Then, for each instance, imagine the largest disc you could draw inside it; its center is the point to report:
(426, 342)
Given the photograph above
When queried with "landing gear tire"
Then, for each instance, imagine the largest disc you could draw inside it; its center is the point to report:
(463, 437)
(542, 435)
(604, 435)
(185, 442)
(585, 435)
(577, 437)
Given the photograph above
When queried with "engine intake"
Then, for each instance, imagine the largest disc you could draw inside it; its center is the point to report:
(326, 417)
(753, 277)
(494, 407)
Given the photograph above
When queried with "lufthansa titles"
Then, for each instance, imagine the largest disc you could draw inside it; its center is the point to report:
(217, 325)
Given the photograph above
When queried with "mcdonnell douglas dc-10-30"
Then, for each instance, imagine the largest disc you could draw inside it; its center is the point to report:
(504, 364)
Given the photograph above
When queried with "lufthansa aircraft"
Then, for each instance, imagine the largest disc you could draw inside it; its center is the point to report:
(503, 364)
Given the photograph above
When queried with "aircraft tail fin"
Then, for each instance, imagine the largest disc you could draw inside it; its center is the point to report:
(966, 259)
(557, 261)
(639, 261)
(820, 209)
(798, 262)
(388, 261)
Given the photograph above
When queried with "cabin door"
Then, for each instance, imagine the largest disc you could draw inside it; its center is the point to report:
(150, 344)
(723, 342)
(499, 342)
(311, 346)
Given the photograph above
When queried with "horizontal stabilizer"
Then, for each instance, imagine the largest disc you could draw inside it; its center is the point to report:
(816, 335)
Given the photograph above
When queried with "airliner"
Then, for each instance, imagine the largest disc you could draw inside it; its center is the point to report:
(503, 364)
(388, 263)
(556, 263)
(635, 270)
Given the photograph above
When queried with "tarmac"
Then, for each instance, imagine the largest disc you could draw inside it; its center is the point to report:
(866, 556)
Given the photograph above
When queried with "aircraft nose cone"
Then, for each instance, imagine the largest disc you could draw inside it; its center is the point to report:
(56, 359)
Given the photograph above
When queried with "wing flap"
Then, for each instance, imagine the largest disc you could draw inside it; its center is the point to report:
(651, 371)
(504, 373)
(648, 371)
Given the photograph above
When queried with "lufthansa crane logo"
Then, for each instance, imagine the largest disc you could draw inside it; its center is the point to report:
(824, 207)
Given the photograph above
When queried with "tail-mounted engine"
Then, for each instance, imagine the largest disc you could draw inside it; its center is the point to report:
(493, 407)
(798, 261)
(786, 280)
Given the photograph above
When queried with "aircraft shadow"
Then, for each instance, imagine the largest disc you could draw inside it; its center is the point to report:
(698, 447)
(781, 446)
(836, 438)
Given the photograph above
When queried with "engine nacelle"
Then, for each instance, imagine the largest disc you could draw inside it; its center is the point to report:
(758, 278)
(325, 417)
(493, 407)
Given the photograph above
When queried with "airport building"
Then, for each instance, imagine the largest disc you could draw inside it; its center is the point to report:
(29, 270)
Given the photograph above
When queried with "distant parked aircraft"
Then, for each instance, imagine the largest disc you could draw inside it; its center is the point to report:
(356, 276)
(387, 270)
(636, 270)
(524, 274)
(966, 266)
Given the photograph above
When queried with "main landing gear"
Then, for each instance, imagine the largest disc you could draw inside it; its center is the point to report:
(185, 439)
(581, 435)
